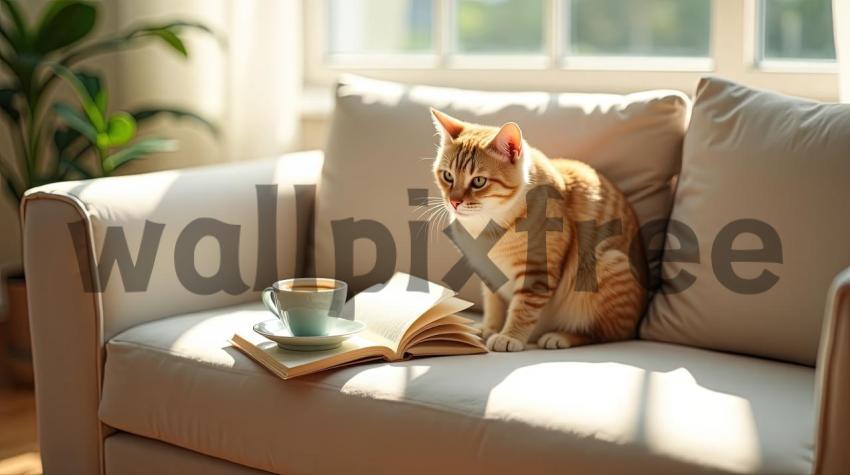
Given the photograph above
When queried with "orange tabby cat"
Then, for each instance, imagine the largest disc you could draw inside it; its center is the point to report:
(573, 293)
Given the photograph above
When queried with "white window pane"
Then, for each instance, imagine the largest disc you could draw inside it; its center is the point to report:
(797, 29)
(638, 27)
(499, 26)
(380, 26)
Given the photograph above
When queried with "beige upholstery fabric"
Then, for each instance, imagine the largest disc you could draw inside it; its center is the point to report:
(595, 409)
(382, 139)
(67, 347)
(755, 155)
(70, 325)
(833, 384)
(132, 455)
(176, 199)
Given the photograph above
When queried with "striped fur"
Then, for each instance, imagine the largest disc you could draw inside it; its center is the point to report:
(544, 294)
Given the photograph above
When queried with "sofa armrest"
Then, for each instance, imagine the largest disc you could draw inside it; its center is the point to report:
(833, 382)
(103, 255)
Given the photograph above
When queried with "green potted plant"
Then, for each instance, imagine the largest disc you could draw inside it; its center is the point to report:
(56, 140)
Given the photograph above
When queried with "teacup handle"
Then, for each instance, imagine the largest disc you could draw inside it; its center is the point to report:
(270, 302)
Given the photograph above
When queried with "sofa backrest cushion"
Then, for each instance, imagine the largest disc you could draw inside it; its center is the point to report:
(382, 139)
(765, 189)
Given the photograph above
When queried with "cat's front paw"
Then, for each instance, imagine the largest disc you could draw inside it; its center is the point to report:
(487, 332)
(500, 342)
(553, 341)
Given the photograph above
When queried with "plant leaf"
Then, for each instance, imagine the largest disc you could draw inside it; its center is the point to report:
(63, 137)
(64, 23)
(93, 101)
(75, 121)
(21, 33)
(121, 129)
(145, 114)
(94, 86)
(171, 39)
(7, 103)
(81, 82)
(101, 100)
(175, 27)
(90, 81)
(130, 37)
(69, 164)
(137, 150)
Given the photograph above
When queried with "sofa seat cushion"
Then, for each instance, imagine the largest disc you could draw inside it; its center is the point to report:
(596, 409)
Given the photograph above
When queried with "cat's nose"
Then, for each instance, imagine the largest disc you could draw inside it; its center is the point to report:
(456, 203)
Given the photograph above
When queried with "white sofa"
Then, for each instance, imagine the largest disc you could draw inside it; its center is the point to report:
(140, 378)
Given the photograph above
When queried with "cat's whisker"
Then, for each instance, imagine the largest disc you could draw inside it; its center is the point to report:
(431, 199)
(428, 222)
(440, 222)
(427, 206)
(435, 224)
(432, 223)
(431, 214)
(444, 222)
(428, 211)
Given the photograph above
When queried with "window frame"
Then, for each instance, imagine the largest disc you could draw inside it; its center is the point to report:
(789, 64)
(734, 53)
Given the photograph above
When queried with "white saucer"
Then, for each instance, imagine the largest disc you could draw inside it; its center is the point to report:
(339, 329)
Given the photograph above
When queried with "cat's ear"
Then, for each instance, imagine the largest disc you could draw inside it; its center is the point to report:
(448, 127)
(508, 142)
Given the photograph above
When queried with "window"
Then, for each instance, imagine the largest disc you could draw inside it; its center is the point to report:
(380, 26)
(673, 28)
(797, 29)
(498, 26)
(580, 45)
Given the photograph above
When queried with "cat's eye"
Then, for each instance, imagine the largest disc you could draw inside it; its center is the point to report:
(479, 182)
(447, 175)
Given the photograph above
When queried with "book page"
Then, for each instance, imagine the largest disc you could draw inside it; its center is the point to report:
(441, 314)
(448, 320)
(390, 309)
(441, 330)
(454, 337)
(445, 348)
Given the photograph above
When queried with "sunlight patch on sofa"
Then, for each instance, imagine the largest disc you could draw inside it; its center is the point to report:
(684, 419)
(385, 381)
(598, 400)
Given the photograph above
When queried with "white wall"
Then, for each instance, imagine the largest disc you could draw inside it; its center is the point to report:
(157, 75)
(249, 86)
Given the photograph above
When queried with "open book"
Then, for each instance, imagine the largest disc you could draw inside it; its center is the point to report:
(405, 317)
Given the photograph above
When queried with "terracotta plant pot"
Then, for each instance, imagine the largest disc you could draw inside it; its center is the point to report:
(18, 343)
